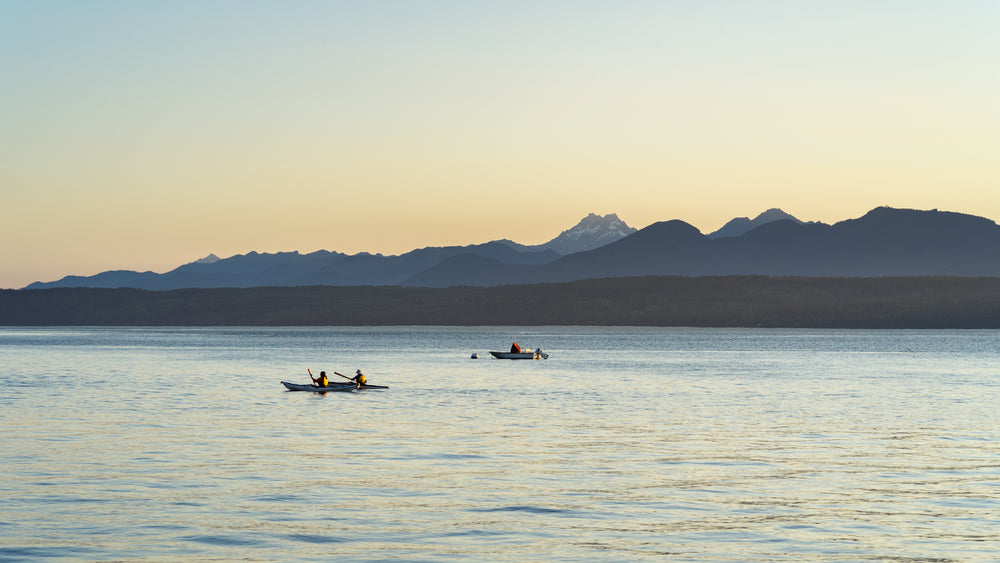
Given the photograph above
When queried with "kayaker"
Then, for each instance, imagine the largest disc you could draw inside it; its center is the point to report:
(320, 381)
(360, 378)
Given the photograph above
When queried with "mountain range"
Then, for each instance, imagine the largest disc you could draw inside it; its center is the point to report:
(334, 268)
(883, 242)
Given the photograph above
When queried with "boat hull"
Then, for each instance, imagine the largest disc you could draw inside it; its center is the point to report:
(314, 389)
(330, 387)
(519, 355)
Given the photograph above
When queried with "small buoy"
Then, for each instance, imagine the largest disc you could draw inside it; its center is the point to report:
(475, 356)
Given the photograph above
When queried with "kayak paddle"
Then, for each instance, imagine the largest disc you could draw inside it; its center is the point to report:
(348, 378)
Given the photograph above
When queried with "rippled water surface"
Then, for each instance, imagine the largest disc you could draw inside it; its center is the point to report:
(626, 444)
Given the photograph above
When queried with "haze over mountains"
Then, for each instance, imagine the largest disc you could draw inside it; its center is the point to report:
(884, 242)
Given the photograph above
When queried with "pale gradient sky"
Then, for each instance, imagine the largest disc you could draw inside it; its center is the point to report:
(145, 135)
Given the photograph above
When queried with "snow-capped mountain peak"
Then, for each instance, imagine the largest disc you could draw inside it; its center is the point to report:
(591, 232)
(210, 259)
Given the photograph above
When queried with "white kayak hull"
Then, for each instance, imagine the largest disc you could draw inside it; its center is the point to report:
(306, 387)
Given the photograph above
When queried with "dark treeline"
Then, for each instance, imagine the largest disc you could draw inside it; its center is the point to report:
(725, 301)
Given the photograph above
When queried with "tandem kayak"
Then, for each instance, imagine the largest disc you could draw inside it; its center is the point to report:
(330, 387)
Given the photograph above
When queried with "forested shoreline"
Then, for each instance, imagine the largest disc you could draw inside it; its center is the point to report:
(723, 301)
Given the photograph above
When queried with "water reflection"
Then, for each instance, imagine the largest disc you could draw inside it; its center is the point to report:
(627, 444)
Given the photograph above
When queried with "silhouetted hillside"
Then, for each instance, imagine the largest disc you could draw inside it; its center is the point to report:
(732, 301)
(333, 268)
(884, 242)
(740, 226)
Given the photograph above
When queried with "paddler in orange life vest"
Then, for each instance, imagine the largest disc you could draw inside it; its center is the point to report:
(320, 381)
(360, 379)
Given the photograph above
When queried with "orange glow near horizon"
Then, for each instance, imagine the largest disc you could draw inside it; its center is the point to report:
(144, 137)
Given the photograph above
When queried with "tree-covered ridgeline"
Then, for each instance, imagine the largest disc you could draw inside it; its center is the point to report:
(723, 301)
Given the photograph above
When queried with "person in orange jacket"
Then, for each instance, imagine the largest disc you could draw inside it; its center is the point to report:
(320, 381)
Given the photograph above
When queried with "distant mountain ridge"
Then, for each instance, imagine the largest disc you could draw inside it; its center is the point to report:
(883, 242)
(742, 225)
(334, 268)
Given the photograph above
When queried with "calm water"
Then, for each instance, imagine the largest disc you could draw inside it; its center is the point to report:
(626, 444)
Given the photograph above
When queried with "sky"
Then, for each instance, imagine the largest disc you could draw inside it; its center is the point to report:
(146, 135)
